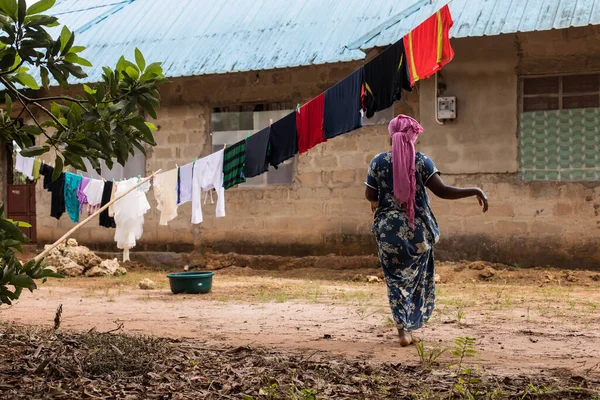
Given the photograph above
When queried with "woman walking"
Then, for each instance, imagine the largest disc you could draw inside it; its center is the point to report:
(404, 225)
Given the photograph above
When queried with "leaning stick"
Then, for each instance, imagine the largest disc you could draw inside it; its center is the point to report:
(88, 219)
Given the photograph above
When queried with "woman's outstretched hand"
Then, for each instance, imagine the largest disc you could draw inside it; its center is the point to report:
(483, 200)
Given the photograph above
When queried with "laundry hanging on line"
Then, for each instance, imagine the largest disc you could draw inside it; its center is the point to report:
(384, 79)
(184, 184)
(342, 108)
(428, 46)
(372, 88)
(165, 192)
(129, 214)
(208, 175)
(257, 147)
(72, 204)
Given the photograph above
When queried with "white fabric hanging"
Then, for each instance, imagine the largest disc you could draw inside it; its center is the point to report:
(208, 174)
(24, 165)
(185, 183)
(165, 192)
(93, 191)
(129, 214)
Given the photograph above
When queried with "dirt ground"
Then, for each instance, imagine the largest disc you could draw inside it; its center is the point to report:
(529, 324)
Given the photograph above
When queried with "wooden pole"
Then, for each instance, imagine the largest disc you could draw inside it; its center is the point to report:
(88, 219)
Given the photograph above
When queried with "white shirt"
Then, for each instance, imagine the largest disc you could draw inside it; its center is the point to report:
(165, 192)
(208, 174)
(185, 183)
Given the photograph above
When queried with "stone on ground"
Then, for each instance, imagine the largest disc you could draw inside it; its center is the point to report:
(147, 284)
(106, 268)
(73, 260)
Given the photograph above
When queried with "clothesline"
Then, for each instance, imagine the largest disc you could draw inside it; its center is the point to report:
(339, 110)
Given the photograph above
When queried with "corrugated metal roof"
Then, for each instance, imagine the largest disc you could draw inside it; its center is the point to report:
(495, 17)
(194, 37)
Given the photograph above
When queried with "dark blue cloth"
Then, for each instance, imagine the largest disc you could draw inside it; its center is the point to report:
(283, 140)
(406, 254)
(342, 105)
(256, 153)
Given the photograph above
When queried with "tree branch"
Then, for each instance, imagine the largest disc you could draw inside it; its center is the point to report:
(38, 124)
(68, 98)
(15, 120)
(49, 113)
(24, 99)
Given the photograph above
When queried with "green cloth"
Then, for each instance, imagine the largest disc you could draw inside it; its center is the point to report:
(37, 164)
(234, 164)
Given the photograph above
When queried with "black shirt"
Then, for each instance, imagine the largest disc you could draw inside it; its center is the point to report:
(283, 140)
(256, 153)
(47, 172)
(105, 220)
(385, 77)
(57, 189)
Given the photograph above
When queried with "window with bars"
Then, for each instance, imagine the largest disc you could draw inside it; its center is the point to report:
(561, 92)
(559, 137)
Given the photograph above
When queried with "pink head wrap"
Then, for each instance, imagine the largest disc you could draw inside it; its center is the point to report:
(404, 131)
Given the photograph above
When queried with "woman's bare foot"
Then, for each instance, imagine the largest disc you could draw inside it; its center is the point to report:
(405, 337)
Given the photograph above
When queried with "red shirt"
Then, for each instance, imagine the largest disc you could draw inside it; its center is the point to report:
(428, 45)
(309, 124)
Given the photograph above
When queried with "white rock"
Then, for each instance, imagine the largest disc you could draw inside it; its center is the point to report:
(65, 266)
(147, 284)
(106, 268)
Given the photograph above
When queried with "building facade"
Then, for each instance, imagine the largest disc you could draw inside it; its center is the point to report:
(526, 131)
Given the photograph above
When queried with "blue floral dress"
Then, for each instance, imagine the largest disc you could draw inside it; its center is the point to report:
(406, 254)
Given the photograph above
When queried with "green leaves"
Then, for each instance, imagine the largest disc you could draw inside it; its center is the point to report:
(8, 103)
(65, 36)
(24, 281)
(26, 80)
(75, 59)
(35, 151)
(106, 122)
(141, 126)
(7, 58)
(10, 8)
(11, 229)
(58, 167)
(45, 77)
(22, 11)
(40, 7)
(139, 59)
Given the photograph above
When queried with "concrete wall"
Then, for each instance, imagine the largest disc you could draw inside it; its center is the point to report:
(539, 223)
(324, 212)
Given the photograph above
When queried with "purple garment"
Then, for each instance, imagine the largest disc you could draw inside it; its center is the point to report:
(80, 195)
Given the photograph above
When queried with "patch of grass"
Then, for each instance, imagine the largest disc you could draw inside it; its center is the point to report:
(427, 355)
(460, 315)
(389, 322)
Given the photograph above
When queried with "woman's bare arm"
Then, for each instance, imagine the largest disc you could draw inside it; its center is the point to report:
(443, 191)
(371, 194)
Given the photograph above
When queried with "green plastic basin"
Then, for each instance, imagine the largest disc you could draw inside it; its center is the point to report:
(193, 282)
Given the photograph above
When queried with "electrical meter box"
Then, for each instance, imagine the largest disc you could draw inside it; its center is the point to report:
(446, 107)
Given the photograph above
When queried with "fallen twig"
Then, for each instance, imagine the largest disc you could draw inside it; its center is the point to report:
(118, 328)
